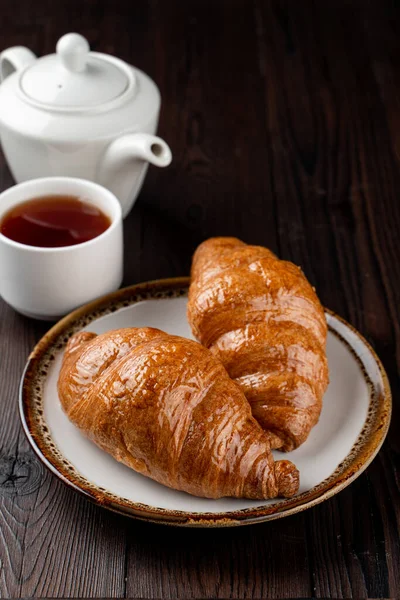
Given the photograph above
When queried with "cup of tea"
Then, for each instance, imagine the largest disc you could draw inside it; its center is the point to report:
(61, 245)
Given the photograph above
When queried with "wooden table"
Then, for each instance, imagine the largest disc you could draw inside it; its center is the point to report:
(284, 121)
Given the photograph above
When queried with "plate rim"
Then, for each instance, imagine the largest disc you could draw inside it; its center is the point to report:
(165, 516)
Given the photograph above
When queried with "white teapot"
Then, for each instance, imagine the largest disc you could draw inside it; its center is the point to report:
(81, 114)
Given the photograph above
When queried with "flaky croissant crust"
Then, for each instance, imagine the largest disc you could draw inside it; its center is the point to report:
(264, 321)
(166, 407)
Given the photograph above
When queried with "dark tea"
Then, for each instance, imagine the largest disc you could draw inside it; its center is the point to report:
(54, 221)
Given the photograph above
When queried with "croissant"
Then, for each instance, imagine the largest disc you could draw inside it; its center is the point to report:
(263, 320)
(166, 407)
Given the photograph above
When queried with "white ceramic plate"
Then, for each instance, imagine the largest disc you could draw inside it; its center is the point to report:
(351, 429)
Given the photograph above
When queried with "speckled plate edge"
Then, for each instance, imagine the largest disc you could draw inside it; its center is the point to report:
(32, 416)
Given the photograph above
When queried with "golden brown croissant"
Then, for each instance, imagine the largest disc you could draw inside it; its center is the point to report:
(166, 407)
(262, 318)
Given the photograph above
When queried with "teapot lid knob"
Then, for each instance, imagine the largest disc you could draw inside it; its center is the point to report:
(73, 50)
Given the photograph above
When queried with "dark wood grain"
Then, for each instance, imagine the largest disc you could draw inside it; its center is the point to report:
(284, 121)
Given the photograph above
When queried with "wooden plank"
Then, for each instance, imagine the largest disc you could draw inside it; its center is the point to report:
(52, 541)
(326, 121)
(213, 115)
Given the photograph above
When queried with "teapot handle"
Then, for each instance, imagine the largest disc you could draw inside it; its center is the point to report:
(14, 59)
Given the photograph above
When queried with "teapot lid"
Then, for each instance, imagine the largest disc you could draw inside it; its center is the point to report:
(75, 78)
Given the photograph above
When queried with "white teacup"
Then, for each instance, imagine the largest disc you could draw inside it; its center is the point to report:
(46, 283)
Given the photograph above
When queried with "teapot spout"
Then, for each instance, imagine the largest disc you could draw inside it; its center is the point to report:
(142, 146)
(125, 162)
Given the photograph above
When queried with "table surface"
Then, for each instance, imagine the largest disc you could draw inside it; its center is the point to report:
(284, 121)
